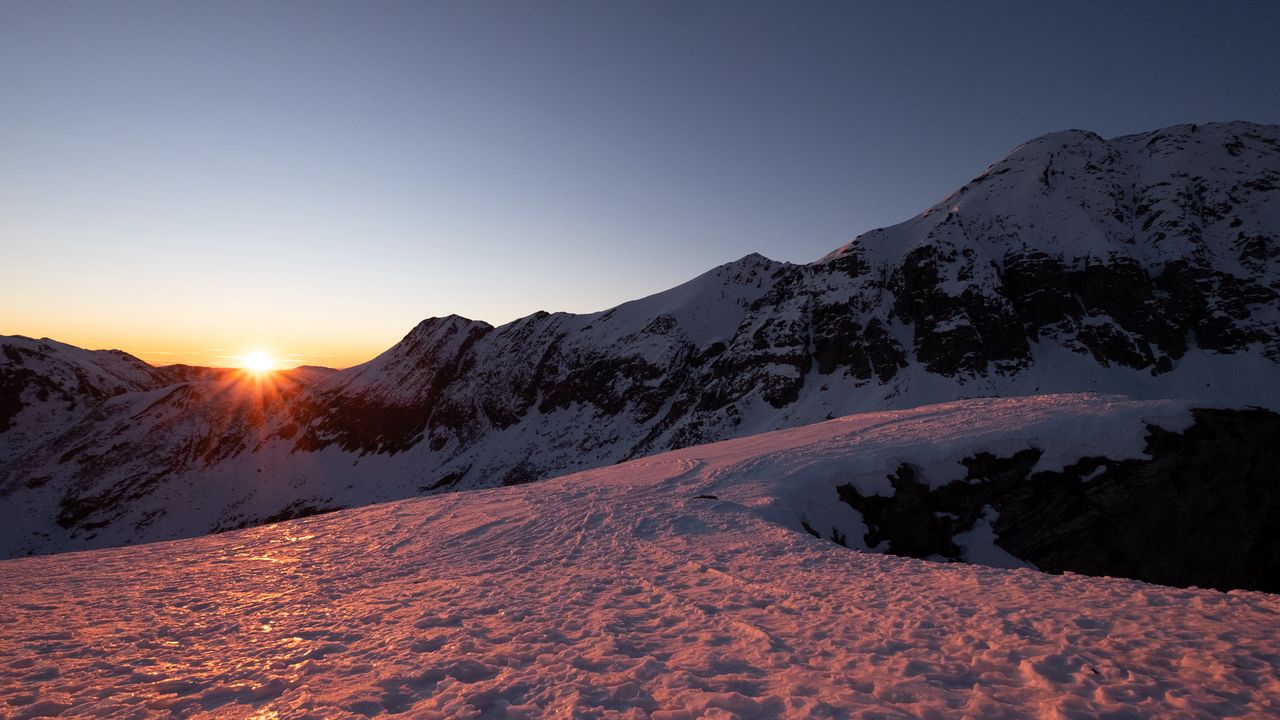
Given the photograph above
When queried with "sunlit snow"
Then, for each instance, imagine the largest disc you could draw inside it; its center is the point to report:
(618, 592)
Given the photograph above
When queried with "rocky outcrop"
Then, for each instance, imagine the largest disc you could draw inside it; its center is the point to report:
(1200, 510)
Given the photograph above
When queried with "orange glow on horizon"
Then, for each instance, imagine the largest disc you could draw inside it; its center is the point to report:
(202, 342)
(203, 345)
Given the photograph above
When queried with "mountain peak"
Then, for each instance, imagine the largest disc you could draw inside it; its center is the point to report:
(1062, 139)
(1185, 192)
(435, 324)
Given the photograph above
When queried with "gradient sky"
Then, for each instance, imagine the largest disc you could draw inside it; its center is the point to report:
(189, 181)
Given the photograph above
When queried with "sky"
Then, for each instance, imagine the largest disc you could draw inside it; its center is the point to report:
(192, 181)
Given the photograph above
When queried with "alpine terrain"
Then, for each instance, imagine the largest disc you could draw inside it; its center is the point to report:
(1146, 266)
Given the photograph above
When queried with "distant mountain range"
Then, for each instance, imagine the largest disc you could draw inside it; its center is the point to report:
(1146, 265)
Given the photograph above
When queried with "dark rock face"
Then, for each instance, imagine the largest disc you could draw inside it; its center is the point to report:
(1150, 314)
(14, 382)
(968, 333)
(1201, 511)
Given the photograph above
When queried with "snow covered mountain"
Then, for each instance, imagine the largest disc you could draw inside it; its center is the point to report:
(681, 585)
(1146, 265)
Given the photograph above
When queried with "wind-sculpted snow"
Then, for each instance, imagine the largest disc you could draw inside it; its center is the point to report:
(620, 592)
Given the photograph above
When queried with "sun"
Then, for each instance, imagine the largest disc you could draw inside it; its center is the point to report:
(258, 362)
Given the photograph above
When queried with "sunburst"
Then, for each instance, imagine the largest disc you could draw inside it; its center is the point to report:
(257, 362)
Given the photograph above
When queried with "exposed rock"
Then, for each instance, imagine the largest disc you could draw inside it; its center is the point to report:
(1200, 511)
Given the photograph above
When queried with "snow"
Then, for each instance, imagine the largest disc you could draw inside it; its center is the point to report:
(1050, 190)
(708, 308)
(979, 545)
(70, 381)
(617, 592)
(107, 371)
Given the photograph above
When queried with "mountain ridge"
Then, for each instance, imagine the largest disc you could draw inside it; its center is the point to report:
(1147, 265)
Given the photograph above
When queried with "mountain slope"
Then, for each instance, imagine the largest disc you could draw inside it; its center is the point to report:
(629, 592)
(1147, 265)
(46, 386)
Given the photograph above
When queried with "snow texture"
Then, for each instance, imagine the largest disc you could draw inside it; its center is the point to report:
(619, 592)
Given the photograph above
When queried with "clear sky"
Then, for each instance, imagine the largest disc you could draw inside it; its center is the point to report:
(188, 181)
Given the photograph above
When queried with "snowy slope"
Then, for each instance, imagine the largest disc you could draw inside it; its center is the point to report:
(45, 385)
(618, 592)
(1145, 265)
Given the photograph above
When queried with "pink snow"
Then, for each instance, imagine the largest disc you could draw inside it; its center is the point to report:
(617, 593)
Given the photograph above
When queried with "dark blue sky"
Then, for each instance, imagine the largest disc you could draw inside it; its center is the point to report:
(317, 176)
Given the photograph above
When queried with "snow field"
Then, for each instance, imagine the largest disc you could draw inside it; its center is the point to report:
(618, 593)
